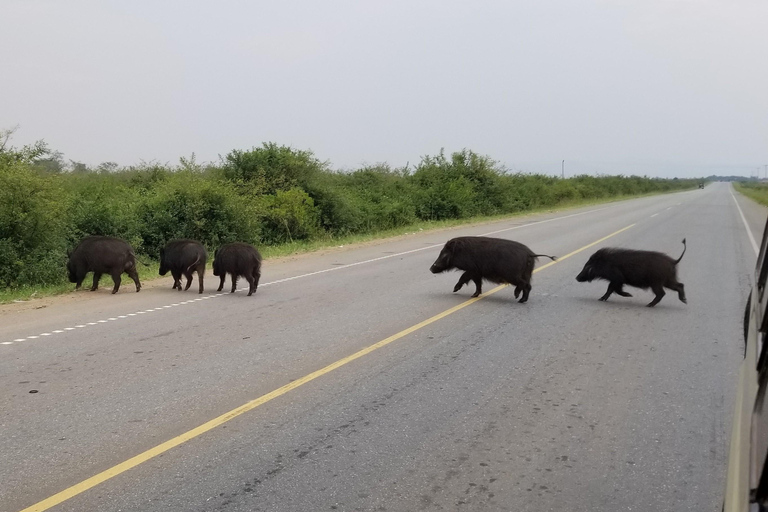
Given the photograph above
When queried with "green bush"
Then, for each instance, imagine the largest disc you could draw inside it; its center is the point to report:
(187, 205)
(33, 211)
(101, 204)
(271, 168)
(465, 185)
(289, 215)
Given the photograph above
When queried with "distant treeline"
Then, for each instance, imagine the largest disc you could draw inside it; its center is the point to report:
(266, 195)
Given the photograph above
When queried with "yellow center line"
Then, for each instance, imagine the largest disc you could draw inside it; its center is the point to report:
(112, 472)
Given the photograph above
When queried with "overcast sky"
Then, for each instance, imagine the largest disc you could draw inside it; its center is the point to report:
(657, 87)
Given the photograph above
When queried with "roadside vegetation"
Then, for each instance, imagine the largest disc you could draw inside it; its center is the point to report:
(278, 198)
(755, 190)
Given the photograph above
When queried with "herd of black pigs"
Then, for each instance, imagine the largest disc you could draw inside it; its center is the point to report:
(480, 258)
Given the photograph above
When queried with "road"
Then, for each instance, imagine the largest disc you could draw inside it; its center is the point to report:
(563, 403)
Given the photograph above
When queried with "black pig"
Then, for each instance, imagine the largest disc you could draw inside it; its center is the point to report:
(641, 269)
(183, 257)
(494, 259)
(102, 255)
(238, 259)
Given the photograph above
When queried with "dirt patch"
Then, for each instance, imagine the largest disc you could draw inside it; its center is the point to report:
(84, 294)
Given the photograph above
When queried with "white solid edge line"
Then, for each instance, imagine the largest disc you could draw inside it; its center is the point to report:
(744, 220)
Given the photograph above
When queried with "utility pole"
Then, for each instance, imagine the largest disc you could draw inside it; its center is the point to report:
(563, 169)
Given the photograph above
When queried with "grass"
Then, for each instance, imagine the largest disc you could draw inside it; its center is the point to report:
(755, 191)
(149, 271)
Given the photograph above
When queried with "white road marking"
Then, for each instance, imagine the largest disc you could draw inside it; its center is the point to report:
(744, 220)
(655, 214)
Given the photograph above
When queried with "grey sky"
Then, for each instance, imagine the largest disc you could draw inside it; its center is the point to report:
(650, 87)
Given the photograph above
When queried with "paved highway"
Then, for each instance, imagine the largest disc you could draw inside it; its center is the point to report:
(355, 380)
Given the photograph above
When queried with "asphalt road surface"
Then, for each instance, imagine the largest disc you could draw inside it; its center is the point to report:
(174, 401)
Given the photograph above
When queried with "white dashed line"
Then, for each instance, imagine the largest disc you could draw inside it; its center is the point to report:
(655, 214)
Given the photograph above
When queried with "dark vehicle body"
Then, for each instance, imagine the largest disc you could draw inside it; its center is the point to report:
(182, 258)
(492, 259)
(238, 259)
(641, 269)
(102, 255)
